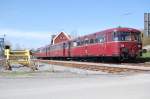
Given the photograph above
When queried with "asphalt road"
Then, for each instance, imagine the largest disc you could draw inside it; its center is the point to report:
(60, 85)
(57, 82)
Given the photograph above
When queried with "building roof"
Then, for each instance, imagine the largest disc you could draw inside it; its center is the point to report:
(64, 34)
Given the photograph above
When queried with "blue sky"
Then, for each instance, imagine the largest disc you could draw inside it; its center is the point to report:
(30, 23)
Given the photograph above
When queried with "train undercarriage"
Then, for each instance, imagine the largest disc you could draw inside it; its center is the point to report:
(119, 58)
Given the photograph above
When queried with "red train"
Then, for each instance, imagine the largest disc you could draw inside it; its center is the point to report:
(120, 43)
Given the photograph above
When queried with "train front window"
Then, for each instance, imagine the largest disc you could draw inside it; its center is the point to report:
(121, 36)
(126, 36)
(136, 37)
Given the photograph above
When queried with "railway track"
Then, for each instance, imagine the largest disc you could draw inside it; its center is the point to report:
(103, 67)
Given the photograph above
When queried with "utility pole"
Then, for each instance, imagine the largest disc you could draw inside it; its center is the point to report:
(2, 40)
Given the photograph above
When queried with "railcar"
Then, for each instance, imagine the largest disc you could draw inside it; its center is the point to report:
(119, 43)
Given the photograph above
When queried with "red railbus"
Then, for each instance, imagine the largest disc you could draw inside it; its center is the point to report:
(121, 43)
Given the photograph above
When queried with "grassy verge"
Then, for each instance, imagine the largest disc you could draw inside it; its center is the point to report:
(146, 55)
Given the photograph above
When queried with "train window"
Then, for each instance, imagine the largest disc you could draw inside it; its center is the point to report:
(126, 36)
(49, 48)
(115, 36)
(133, 37)
(54, 47)
(121, 36)
(59, 46)
(65, 45)
(74, 43)
(86, 41)
(68, 45)
(136, 37)
(38, 50)
(100, 39)
(139, 36)
(91, 41)
(78, 43)
(43, 50)
(82, 42)
(96, 40)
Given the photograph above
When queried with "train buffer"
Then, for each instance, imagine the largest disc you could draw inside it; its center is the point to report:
(21, 57)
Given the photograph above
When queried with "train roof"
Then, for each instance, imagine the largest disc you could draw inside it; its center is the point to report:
(108, 30)
(121, 29)
(116, 29)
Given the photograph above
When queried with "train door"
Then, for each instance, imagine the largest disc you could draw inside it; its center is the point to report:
(100, 39)
(109, 45)
(86, 47)
(104, 41)
(46, 52)
(69, 49)
(64, 50)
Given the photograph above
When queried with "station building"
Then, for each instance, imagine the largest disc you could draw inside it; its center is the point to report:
(61, 37)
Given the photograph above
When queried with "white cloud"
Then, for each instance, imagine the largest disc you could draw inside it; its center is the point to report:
(19, 34)
(26, 39)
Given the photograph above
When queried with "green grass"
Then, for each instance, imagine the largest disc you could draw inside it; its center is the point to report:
(146, 55)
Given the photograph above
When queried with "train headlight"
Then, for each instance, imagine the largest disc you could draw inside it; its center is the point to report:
(139, 46)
